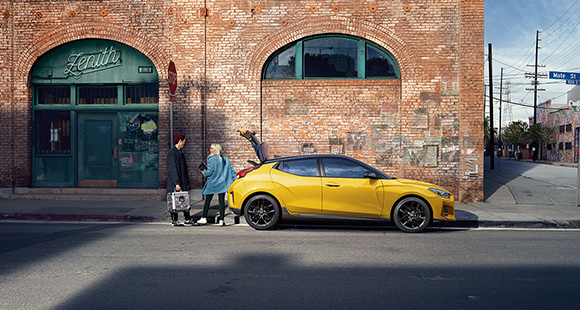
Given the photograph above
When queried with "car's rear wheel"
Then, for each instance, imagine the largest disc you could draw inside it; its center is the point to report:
(412, 214)
(262, 212)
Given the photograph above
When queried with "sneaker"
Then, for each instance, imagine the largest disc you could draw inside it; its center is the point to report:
(221, 223)
(189, 222)
(176, 224)
(202, 220)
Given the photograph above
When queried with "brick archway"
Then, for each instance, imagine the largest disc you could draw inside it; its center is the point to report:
(384, 37)
(21, 108)
(272, 97)
(69, 33)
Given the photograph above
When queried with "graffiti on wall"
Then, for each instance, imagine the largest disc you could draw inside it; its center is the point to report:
(308, 149)
(430, 99)
(420, 119)
(450, 85)
(295, 107)
(431, 156)
(390, 149)
(336, 145)
(447, 122)
(356, 141)
(450, 149)
(390, 114)
(468, 144)
(470, 168)
(421, 156)
(413, 156)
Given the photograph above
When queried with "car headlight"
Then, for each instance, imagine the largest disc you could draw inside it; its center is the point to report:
(440, 192)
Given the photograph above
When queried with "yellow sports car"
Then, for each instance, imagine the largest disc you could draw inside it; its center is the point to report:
(334, 186)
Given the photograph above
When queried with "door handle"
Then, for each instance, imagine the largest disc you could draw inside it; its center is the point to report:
(332, 185)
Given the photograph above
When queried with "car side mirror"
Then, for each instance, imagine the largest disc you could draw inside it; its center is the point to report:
(370, 175)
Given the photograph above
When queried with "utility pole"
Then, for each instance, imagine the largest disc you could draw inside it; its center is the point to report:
(491, 137)
(500, 99)
(536, 78)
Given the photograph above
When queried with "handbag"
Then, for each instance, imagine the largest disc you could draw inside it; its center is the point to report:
(178, 202)
(202, 166)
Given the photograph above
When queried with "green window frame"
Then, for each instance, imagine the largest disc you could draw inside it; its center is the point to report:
(73, 97)
(331, 57)
(98, 95)
(53, 132)
(142, 94)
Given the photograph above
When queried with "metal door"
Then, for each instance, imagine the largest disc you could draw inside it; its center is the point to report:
(97, 151)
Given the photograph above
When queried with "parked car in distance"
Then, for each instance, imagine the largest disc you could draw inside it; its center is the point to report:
(338, 187)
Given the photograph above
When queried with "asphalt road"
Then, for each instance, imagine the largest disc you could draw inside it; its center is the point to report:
(48, 265)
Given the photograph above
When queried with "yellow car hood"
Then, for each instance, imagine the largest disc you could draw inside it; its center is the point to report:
(415, 182)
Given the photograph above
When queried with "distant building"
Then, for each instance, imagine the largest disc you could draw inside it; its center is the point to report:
(567, 123)
(573, 98)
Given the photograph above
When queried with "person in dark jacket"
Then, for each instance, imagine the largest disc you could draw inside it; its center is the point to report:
(177, 176)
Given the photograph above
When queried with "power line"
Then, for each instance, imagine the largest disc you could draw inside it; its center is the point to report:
(531, 105)
(561, 17)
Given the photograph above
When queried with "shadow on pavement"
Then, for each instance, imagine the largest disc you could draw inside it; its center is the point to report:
(494, 180)
(28, 240)
(279, 281)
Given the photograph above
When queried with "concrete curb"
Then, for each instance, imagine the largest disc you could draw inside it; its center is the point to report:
(76, 217)
(232, 219)
(513, 224)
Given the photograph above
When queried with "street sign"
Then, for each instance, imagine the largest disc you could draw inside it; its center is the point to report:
(573, 82)
(564, 75)
(172, 79)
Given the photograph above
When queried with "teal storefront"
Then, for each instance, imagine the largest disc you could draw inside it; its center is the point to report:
(95, 117)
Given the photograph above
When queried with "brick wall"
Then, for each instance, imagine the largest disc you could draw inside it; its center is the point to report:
(6, 96)
(427, 125)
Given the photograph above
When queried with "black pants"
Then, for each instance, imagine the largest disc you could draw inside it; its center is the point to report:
(221, 198)
(174, 216)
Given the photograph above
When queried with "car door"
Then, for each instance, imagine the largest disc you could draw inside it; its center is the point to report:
(298, 185)
(346, 192)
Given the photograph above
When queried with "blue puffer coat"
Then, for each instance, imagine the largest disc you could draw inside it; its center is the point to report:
(220, 175)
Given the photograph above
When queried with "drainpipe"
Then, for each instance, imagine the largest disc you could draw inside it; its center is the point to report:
(203, 90)
(12, 106)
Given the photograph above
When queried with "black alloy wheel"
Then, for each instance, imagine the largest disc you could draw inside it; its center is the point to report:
(262, 212)
(412, 215)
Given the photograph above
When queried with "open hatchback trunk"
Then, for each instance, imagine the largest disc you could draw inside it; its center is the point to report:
(261, 148)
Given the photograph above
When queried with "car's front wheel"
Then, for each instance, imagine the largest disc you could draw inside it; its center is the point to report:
(262, 212)
(412, 214)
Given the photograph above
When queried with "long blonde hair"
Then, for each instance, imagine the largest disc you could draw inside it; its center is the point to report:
(218, 149)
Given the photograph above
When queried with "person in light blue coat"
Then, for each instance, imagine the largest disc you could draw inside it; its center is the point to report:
(220, 175)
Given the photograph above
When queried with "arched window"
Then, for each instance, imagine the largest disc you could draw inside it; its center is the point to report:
(331, 57)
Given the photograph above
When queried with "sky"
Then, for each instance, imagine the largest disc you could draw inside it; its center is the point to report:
(510, 28)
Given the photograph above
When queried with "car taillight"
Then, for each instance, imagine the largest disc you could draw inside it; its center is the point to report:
(243, 173)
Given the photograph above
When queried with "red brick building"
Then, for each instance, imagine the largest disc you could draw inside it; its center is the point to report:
(397, 84)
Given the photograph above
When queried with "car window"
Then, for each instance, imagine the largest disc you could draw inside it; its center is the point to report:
(342, 168)
(302, 167)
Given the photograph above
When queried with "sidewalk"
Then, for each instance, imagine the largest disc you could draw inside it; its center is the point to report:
(105, 211)
(510, 201)
(516, 201)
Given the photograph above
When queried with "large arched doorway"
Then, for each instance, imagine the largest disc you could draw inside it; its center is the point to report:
(95, 117)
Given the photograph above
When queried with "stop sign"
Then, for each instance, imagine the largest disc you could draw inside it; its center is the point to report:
(172, 78)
